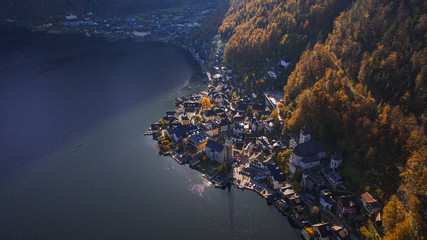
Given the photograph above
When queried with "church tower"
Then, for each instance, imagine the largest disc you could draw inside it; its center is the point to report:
(228, 146)
(304, 135)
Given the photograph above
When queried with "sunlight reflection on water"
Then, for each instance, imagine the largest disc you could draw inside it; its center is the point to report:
(199, 189)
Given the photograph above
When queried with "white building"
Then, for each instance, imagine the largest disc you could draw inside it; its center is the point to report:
(141, 34)
(71, 16)
(336, 160)
(308, 154)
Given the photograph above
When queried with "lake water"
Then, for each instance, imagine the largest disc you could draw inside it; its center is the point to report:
(60, 91)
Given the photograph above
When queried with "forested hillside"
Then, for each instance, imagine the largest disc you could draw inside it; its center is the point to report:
(258, 29)
(363, 89)
(37, 10)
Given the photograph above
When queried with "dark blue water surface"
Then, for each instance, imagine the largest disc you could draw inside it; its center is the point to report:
(59, 91)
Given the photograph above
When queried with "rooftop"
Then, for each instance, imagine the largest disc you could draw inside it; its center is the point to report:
(310, 148)
(215, 146)
(199, 138)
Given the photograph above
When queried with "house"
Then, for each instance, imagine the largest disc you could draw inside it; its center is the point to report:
(263, 142)
(254, 162)
(284, 62)
(296, 202)
(273, 98)
(70, 16)
(322, 231)
(199, 140)
(179, 133)
(308, 182)
(220, 98)
(272, 74)
(286, 191)
(334, 178)
(258, 107)
(378, 220)
(247, 151)
(279, 180)
(326, 200)
(370, 204)
(170, 113)
(346, 207)
(237, 148)
(184, 120)
(238, 117)
(308, 154)
(210, 128)
(242, 106)
(218, 77)
(336, 160)
(225, 125)
(339, 233)
(192, 106)
(141, 34)
(269, 124)
(209, 115)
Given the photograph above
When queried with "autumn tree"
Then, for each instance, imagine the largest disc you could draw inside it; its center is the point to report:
(206, 103)
(393, 215)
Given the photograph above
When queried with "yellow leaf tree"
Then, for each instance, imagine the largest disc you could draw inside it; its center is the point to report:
(206, 103)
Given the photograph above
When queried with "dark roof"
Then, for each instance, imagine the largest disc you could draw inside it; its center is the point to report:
(183, 131)
(347, 201)
(170, 131)
(225, 122)
(310, 159)
(327, 197)
(215, 146)
(209, 113)
(273, 169)
(190, 109)
(323, 229)
(199, 138)
(337, 156)
(310, 148)
(305, 130)
(238, 145)
(280, 177)
(258, 107)
(242, 106)
(192, 105)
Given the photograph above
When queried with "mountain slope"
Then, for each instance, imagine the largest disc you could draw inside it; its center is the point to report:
(257, 29)
(362, 89)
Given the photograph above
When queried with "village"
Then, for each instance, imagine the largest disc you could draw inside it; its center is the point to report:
(172, 25)
(229, 131)
(231, 137)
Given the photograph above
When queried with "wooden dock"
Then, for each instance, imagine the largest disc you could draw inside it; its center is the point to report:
(148, 133)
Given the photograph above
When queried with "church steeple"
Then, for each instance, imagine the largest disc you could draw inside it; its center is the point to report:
(229, 146)
(304, 135)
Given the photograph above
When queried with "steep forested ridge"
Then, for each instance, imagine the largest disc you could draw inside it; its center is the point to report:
(257, 29)
(37, 10)
(363, 90)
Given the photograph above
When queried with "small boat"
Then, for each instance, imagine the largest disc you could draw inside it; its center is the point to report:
(78, 145)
